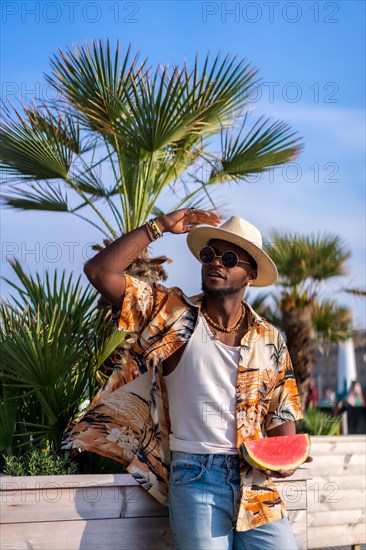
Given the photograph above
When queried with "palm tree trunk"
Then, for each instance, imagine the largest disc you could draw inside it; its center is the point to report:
(297, 325)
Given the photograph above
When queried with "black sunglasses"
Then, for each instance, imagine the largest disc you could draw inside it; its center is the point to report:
(228, 259)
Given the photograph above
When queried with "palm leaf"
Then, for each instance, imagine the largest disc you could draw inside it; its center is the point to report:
(302, 258)
(331, 322)
(64, 294)
(31, 149)
(90, 183)
(94, 83)
(265, 145)
(110, 344)
(171, 107)
(220, 90)
(42, 198)
(318, 422)
(153, 115)
(68, 132)
(355, 291)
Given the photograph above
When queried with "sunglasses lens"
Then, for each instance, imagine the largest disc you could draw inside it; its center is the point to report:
(229, 259)
(207, 255)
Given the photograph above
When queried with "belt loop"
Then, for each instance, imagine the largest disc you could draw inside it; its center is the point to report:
(209, 462)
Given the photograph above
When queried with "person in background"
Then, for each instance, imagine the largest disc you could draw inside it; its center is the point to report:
(312, 396)
(329, 400)
(353, 398)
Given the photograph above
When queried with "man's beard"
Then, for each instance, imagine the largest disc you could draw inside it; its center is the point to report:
(221, 292)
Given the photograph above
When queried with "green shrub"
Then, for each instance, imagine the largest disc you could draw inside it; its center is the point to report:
(39, 462)
(316, 422)
(52, 342)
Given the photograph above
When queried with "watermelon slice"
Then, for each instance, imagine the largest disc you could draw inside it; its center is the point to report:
(285, 452)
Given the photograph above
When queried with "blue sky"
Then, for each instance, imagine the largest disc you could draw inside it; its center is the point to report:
(310, 57)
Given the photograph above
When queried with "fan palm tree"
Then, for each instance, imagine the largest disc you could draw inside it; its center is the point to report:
(52, 343)
(121, 133)
(304, 263)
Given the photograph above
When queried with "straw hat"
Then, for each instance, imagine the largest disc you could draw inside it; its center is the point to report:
(243, 234)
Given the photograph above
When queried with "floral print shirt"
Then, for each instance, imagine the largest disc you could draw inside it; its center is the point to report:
(128, 420)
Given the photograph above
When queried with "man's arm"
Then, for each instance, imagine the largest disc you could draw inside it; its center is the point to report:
(287, 428)
(105, 270)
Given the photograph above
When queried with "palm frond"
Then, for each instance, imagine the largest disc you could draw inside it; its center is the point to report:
(63, 294)
(90, 182)
(36, 145)
(173, 106)
(109, 345)
(355, 291)
(301, 257)
(265, 145)
(154, 115)
(42, 198)
(219, 91)
(94, 82)
(316, 422)
(47, 119)
(331, 322)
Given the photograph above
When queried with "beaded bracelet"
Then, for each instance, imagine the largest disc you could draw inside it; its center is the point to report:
(149, 233)
(154, 228)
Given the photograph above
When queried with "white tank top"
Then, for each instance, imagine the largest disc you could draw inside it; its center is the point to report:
(202, 395)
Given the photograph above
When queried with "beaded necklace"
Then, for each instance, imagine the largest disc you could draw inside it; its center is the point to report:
(220, 327)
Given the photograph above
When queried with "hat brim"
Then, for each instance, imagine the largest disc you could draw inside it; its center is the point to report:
(198, 237)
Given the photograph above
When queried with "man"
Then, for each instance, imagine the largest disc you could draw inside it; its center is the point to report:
(198, 376)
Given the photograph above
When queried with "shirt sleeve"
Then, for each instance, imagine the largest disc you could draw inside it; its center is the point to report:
(139, 303)
(285, 403)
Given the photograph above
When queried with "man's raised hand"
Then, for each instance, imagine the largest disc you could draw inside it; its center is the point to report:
(182, 221)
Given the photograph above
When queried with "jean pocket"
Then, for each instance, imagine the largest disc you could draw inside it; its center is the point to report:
(183, 473)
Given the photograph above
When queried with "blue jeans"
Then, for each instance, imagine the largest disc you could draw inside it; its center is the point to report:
(204, 503)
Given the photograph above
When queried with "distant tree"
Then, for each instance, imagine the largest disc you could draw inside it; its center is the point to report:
(308, 320)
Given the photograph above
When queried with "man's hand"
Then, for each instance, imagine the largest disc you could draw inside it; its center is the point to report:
(285, 473)
(182, 221)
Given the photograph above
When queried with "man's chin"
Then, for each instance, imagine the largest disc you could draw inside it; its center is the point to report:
(215, 292)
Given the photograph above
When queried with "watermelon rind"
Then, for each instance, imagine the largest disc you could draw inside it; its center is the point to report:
(284, 441)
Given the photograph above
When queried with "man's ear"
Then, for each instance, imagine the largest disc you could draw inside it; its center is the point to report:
(252, 276)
